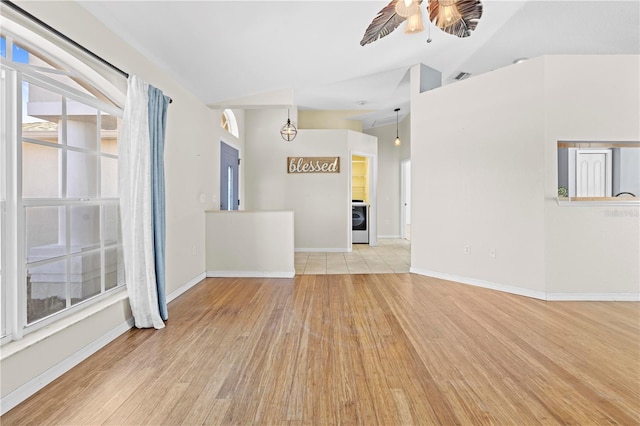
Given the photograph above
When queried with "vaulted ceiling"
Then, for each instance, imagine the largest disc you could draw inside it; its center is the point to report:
(223, 51)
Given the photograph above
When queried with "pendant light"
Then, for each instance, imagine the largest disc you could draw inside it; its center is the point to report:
(448, 14)
(288, 131)
(414, 23)
(397, 142)
(406, 8)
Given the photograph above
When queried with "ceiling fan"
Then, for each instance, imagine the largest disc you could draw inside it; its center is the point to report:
(456, 17)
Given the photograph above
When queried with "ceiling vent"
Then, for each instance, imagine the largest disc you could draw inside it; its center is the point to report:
(462, 76)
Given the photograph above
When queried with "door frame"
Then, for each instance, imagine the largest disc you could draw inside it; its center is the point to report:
(240, 180)
(405, 196)
(373, 197)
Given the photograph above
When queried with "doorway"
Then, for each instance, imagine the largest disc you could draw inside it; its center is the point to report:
(593, 173)
(363, 176)
(229, 165)
(405, 200)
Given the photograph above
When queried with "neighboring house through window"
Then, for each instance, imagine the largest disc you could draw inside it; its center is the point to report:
(59, 224)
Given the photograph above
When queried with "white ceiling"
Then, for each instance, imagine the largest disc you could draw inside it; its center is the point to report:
(222, 51)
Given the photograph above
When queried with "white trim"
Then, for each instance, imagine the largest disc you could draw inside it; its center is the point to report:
(39, 39)
(186, 286)
(595, 297)
(542, 295)
(250, 274)
(323, 250)
(51, 329)
(34, 385)
(624, 202)
(395, 237)
(480, 283)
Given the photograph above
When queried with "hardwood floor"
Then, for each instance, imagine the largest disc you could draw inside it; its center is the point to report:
(390, 349)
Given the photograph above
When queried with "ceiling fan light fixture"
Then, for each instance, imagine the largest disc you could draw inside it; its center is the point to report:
(288, 131)
(448, 14)
(414, 23)
(456, 17)
(406, 8)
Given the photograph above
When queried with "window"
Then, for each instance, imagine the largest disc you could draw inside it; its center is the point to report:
(59, 211)
(599, 171)
(229, 123)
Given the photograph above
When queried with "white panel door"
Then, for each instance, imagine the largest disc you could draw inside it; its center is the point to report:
(593, 173)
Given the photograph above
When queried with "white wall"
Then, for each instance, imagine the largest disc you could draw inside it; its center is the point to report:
(592, 251)
(191, 167)
(250, 244)
(321, 202)
(477, 179)
(485, 176)
(389, 159)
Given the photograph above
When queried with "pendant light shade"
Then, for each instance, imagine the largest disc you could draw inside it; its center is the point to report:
(448, 14)
(414, 23)
(456, 17)
(288, 131)
(397, 142)
(406, 8)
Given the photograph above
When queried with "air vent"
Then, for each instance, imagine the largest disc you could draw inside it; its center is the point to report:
(462, 76)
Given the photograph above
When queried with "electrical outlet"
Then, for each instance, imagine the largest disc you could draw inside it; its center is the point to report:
(492, 253)
(467, 249)
(194, 250)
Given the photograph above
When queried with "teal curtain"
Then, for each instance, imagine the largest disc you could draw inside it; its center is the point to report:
(158, 104)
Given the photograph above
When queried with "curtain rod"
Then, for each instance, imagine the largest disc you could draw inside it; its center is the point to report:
(67, 39)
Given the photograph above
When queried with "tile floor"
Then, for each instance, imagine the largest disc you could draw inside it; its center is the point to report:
(391, 255)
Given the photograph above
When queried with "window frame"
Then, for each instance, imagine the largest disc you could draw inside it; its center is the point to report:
(13, 254)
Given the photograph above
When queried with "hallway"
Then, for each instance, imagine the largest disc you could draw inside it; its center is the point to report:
(390, 256)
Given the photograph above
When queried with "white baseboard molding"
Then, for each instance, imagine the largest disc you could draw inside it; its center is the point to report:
(42, 380)
(177, 292)
(479, 283)
(594, 297)
(250, 274)
(542, 295)
(322, 250)
(395, 237)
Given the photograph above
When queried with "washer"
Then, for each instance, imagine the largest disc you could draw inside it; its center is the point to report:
(359, 222)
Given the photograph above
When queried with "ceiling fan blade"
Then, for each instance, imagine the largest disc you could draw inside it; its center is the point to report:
(470, 10)
(383, 24)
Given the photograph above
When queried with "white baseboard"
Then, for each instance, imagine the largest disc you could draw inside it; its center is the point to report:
(322, 250)
(177, 292)
(542, 295)
(395, 237)
(594, 297)
(42, 380)
(250, 274)
(479, 283)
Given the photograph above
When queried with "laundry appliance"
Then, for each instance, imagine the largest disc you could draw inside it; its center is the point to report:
(359, 222)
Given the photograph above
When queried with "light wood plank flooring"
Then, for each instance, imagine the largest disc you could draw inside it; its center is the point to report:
(388, 349)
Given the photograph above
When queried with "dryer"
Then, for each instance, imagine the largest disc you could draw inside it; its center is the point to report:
(359, 222)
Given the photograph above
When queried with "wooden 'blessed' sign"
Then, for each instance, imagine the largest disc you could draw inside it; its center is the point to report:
(313, 164)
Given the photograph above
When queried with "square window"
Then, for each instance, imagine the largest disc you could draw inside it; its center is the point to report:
(40, 171)
(111, 225)
(108, 177)
(46, 290)
(85, 277)
(85, 228)
(82, 175)
(113, 268)
(45, 233)
(81, 126)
